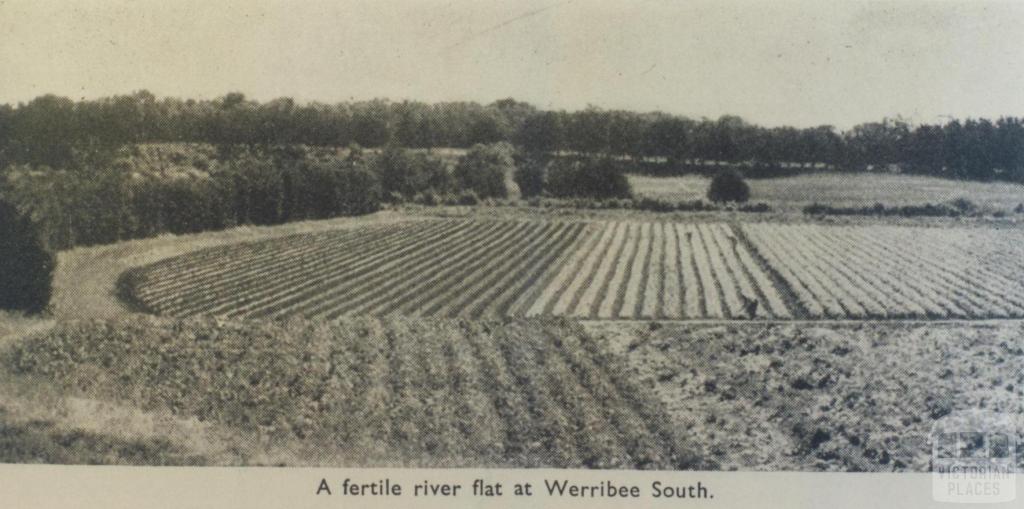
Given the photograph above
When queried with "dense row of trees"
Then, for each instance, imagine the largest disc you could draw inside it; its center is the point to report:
(57, 132)
(103, 205)
(43, 209)
(89, 204)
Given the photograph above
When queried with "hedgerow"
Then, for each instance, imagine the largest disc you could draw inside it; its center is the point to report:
(953, 209)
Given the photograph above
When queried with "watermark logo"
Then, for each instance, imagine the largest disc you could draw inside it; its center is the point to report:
(974, 458)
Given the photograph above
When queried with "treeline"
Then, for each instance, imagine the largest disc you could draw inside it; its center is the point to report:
(57, 132)
(90, 205)
(100, 205)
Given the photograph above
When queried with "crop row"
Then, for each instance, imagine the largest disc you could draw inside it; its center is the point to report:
(889, 272)
(380, 392)
(661, 270)
(599, 270)
(441, 268)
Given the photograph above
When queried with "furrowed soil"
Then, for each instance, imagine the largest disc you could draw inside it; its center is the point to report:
(367, 392)
(827, 397)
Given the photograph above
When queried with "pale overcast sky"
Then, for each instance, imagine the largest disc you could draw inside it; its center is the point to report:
(796, 62)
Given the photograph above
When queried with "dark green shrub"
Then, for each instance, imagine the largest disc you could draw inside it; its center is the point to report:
(654, 205)
(26, 264)
(728, 186)
(398, 173)
(587, 177)
(756, 207)
(529, 176)
(483, 170)
(965, 206)
(402, 173)
(926, 210)
(695, 206)
(468, 198)
(427, 198)
(449, 199)
(434, 173)
(185, 205)
(358, 191)
(258, 191)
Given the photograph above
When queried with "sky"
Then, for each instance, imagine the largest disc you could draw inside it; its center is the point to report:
(783, 62)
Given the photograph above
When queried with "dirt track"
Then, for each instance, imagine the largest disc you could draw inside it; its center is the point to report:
(85, 285)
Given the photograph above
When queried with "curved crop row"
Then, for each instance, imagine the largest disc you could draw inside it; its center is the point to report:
(448, 268)
(598, 270)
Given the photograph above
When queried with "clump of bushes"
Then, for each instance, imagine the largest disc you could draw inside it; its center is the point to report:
(965, 206)
(403, 173)
(426, 179)
(587, 177)
(645, 203)
(878, 209)
(695, 206)
(483, 170)
(756, 207)
(728, 186)
(429, 198)
(529, 176)
(26, 264)
(468, 197)
(655, 205)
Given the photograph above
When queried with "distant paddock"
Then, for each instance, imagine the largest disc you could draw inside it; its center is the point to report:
(791, 194)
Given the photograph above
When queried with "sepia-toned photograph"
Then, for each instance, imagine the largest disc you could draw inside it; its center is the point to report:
(620, 236)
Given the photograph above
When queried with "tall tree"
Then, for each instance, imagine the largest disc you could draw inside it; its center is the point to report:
(26, 264)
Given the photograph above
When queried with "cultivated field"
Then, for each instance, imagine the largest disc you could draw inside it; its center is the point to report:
(792, 194)
(246, 380)
(896, 272)
(853, 397)
(660, 270)
(439, 268)
(464, 268)
(598, 270)
(400, 392)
